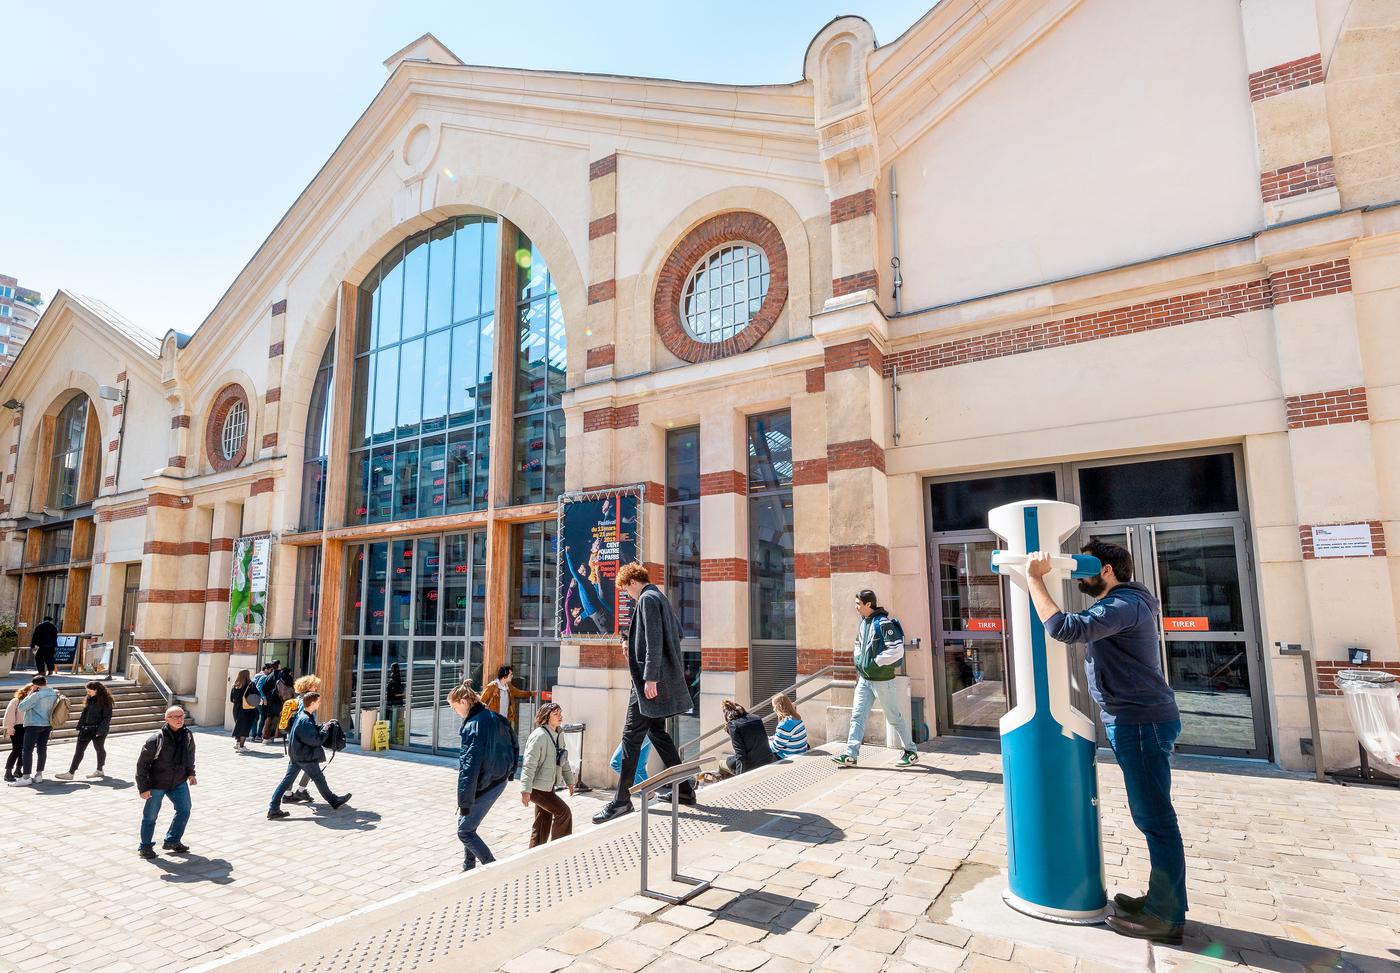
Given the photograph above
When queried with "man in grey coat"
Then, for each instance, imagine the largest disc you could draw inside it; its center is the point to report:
(659, 687)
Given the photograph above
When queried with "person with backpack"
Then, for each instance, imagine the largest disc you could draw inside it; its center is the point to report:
(878, 648)
(306, 684)
(40, 712)
(164, 769)
(484, 768)
(545, 770)
(93, 724)
(14, 731)
(750, 740)
(268, 705)
(245, 699)
(306, 751)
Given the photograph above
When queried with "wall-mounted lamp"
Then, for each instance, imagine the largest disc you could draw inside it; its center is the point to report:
(14, 405)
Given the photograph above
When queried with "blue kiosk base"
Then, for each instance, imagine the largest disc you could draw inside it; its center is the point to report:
(1093, 917)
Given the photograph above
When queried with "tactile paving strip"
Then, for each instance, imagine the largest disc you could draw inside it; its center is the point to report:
(443, 929)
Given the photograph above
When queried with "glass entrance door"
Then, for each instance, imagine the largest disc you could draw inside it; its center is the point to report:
(536, 669)
(973, 674)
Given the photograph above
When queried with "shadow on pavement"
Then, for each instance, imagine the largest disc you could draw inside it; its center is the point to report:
(195, 868)
(50, 788)
(1275, 953)
(970, 776)
(345, 818)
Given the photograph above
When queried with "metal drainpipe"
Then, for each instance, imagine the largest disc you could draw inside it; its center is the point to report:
(121, 440)
(894, 243)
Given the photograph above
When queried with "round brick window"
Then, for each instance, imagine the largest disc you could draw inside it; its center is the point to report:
(226, 432)
(722, 288)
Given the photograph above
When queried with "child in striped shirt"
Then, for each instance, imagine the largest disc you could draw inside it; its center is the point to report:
(791, 736)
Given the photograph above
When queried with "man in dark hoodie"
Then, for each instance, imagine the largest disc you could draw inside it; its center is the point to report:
(1124, 664)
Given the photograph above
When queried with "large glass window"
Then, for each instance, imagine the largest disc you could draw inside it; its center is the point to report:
(683, 527)
(318, 439)
(420, 422)
(724, 292)
(67, 457)
(772, 579)
(540, 375)
(532, 591)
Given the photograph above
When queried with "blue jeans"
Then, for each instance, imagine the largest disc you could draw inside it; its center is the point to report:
(473, 847)
(311, 770)
(1144, 753)
(180, 798)
(866, 693)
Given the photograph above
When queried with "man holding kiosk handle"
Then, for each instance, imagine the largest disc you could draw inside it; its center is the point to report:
(1140, 716)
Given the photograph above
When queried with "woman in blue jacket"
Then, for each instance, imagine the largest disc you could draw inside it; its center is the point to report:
(486, 765)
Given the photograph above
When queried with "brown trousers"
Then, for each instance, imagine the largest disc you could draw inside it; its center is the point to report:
(553, 819)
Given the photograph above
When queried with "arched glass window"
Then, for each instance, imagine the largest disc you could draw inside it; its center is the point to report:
(66, 463)
(724, 292)
(540, 377)
(318, 439)
(420, 424)
(234, 431)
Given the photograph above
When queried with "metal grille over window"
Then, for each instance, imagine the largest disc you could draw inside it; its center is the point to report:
(724, 292)
(234, 431)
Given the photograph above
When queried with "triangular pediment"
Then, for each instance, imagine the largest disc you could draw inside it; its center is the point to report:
(426, 48)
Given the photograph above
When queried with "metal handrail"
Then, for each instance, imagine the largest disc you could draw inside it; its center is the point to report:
(672, 776)
(140, 659)
(828, 671)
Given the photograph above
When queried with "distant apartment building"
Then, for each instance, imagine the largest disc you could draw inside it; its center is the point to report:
(19, 312)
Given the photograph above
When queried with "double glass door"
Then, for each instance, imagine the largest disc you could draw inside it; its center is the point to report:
(974, 673)
(1198, 570)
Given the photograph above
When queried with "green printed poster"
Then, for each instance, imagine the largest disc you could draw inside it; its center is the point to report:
(247, 590)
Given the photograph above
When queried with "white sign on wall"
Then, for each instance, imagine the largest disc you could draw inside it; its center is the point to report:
(1342, 540)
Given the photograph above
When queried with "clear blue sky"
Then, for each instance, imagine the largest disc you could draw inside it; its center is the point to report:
(153, 145)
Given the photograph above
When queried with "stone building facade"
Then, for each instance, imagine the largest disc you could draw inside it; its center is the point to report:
(825, 324)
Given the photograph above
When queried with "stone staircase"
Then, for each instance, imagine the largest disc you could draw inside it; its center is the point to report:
(136, 709)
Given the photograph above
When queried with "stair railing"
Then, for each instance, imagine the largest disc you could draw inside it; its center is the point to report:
(826, 673)
(149, 670)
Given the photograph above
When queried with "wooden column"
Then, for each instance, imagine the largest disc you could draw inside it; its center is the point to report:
(334, 676)
(501, 467)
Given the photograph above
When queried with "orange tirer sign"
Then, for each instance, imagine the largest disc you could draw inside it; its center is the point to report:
(1190, 624)
(984, 625)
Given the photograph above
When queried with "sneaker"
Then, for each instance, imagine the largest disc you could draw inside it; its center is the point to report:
(297, 797)
(97, 774)
(177, 847)
(339, 802)
(687, 796)
(38, 776)
(277, 814)
(1129, 904)
(611, 810)
(842, 760)
(22, 782)
(909, 759)
(9, 777)
(1149, 927)
(68, 776)
(146, 851)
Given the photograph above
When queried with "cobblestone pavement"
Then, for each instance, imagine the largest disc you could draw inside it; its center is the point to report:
(75, 896)
(1284, 875)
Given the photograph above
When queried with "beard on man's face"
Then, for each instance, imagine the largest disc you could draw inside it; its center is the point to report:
(1093, 587)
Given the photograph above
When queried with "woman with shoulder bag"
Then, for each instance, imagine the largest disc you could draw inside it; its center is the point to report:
(546, 767)
(93, 724)
(245, 699)
(14, 731)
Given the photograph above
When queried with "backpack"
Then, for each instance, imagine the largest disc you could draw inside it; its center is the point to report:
(58, 716)
(335, 736)
(289, 709)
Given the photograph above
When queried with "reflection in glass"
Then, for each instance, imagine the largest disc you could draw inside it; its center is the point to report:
(1211, 680)
(772, 603)
(683, 527)
(400, 588)
(972, 621)
(540, 377)
(1159, 488)
(318, 437)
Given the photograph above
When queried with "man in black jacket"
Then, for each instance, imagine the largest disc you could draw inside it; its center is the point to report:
(166, 769)
(44, 643)
(485, 765)
(659, 686)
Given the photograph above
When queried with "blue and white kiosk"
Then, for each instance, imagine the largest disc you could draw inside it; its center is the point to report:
(1053, 847)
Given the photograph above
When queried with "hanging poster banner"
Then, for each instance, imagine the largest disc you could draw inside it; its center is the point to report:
(247, 590)
(599, 531)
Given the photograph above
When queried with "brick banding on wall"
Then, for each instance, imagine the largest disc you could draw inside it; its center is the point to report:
(122, 513)
(733, 227)
(279, 307)
(853, 206)
(171, 596)
(1326, 672)
(112, 446)
(168, 645)
(724, 659)
(602, 655)
(1288, 76)
(121, 377)
(723, 481)
(860, 559)
(100, 557)
(853, 354)
(269, 440)
(176, 548)
(602, 226)
(170, 500)
(816, 380)
(724, 569)
(214, 427)
(611, 417)
(260, 487)
(1218, 302)
(109, 480)
(604, 290)
(656, 572)
(275, 349)
(221, 544)
(862, 454)
(1305, 537)
(117, 409)
(816, 564)
(1297, 179)
(1314, 280)
(806, 472)
(865, 280)
(94, 601)
(1327, 408)
(602, 167)
(179, 422)
(274, 395)
(602, 355)
(176, 461)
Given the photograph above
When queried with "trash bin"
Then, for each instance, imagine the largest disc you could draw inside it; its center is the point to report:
(1373, 703)
(572, 738)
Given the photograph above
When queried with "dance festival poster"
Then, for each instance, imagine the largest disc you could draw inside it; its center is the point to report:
(599, 532)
